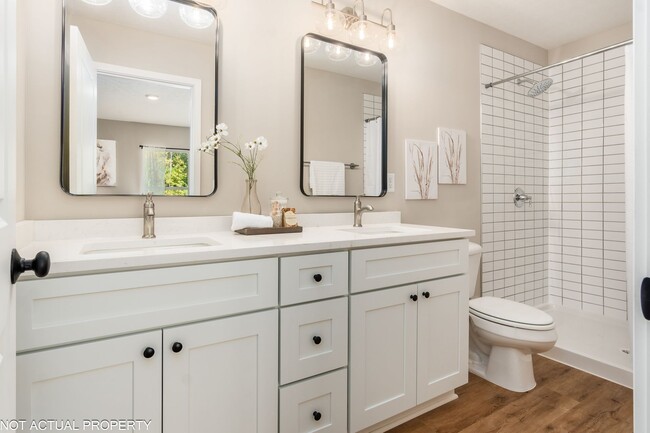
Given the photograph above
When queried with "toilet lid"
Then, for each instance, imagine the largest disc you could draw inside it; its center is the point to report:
(510, 313)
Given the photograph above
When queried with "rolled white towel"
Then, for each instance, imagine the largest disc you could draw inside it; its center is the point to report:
(245, 220)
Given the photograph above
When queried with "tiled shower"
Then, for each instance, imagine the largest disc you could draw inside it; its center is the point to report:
(565, 148)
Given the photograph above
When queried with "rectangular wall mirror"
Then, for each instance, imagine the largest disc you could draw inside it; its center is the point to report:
(343, 119)
(139, 96)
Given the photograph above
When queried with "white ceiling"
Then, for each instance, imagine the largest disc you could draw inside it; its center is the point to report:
(546, 23)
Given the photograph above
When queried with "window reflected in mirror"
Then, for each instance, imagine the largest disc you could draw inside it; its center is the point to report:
(138, 94)
(343, 119)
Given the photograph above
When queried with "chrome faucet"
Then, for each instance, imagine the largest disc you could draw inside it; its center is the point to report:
(149, 217)
(359, 210)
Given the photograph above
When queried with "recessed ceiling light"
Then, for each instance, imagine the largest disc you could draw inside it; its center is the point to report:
(152, 97)
(97, 2)
(196, 17)
(149, 8)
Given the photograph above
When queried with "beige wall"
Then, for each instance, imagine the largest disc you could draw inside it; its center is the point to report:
(585, 45)
(128, 137)
(433, 81)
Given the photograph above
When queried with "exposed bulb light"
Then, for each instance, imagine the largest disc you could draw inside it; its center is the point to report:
(337, 53)
(152, 97)
(149, 8)
(310, 45)
(365, 59)
(360, 32)
(196, 17)
(334, 21)
(97, 2)
(391, 41)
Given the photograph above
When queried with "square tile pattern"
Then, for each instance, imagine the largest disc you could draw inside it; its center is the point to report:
(566, 149)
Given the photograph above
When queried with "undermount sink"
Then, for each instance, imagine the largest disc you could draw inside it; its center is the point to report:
(373, 230)
(146, 245)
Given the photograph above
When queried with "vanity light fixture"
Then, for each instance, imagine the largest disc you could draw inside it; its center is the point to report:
(152, 97)
(391, 42)
(196, 17)
(97, 2)
(149, 8)
(359, 31)
(334, 20)
(310, 45)
(337, 53)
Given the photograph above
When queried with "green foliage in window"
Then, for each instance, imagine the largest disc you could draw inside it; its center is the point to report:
(176, 173)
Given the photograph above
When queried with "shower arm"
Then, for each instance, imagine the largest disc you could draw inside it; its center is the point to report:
(573, 59)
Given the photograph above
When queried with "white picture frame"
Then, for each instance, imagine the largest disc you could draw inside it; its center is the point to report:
(452, 168)
(421, 169)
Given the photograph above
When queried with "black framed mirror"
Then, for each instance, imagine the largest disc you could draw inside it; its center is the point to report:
(343, 121)
(139, 95)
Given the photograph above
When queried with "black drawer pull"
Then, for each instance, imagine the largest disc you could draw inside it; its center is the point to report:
(148, 352)
(317, 415)
(317, 339)
(177, 347)
(318, 278)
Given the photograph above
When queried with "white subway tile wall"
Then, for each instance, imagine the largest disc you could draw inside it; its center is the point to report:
(514, 146)
(587, 185)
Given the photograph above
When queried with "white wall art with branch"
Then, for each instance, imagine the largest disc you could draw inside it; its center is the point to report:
(421, 170)
(453, 156)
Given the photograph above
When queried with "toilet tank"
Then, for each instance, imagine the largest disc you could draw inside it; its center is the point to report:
(474, 264)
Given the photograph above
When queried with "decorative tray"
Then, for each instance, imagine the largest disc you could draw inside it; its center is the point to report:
(250, 231)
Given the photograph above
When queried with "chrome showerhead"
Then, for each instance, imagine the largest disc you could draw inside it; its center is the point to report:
(538, 87)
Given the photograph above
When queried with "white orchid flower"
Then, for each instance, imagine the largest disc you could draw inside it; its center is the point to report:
(250, 145)
(262, 143)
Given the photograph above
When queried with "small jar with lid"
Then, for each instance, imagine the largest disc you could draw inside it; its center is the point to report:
(277, 204)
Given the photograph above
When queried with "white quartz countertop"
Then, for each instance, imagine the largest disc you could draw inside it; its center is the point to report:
(81, 255)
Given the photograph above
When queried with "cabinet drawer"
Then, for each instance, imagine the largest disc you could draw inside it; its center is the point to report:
(393, 266)
(315, 405)
(313, 277)
(314, 339)
(62, 310)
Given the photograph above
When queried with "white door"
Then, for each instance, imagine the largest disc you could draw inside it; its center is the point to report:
(383, 333)
(442, 336)
(641, 199)
(222, 375)
(7, 206)
(118, 378)
(83, 117)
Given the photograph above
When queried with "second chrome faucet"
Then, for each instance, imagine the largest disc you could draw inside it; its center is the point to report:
(149, 215)
(359, 210)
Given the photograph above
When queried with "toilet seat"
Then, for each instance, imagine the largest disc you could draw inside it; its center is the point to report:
(510, 313)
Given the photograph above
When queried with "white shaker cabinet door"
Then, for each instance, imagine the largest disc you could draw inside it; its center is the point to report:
(382, 355)
(118, 378)
(222, 376)
(443, 320)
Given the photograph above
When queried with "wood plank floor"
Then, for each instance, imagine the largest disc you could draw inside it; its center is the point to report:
(565, 400)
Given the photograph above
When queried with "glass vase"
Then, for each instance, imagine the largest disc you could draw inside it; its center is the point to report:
(251, 203)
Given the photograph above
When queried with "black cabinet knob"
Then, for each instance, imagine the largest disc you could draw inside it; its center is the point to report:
(318, 278)
(426, 294)
(40, 265)
(414, 298)
(177, 347)
(317, 415)
(148, 352)
(317, 339)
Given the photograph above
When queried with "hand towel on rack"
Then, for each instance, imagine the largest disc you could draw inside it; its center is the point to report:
(327, 178)
(246, 220)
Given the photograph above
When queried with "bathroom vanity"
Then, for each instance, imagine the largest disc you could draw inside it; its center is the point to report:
(334, 329)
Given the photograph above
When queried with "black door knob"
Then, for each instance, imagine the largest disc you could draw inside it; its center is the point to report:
(318, 278)
(426, 294)
(148, 352)
(40, 265)
(414, 298)
(317, 415)
(177, 347)
(645, 298)
(317, 339)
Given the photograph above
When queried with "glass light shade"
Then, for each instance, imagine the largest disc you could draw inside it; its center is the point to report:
(365, 59)
(195, 17)
(310, 45)
(391, 42)
(97, 2)
(333, 23)
(149, 8)
(337, 53)
(361, 32)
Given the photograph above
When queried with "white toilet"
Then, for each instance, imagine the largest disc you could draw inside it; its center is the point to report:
(504, 334)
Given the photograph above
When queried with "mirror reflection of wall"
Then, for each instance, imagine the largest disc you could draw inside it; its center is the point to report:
(139, 81)
(343, 119)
